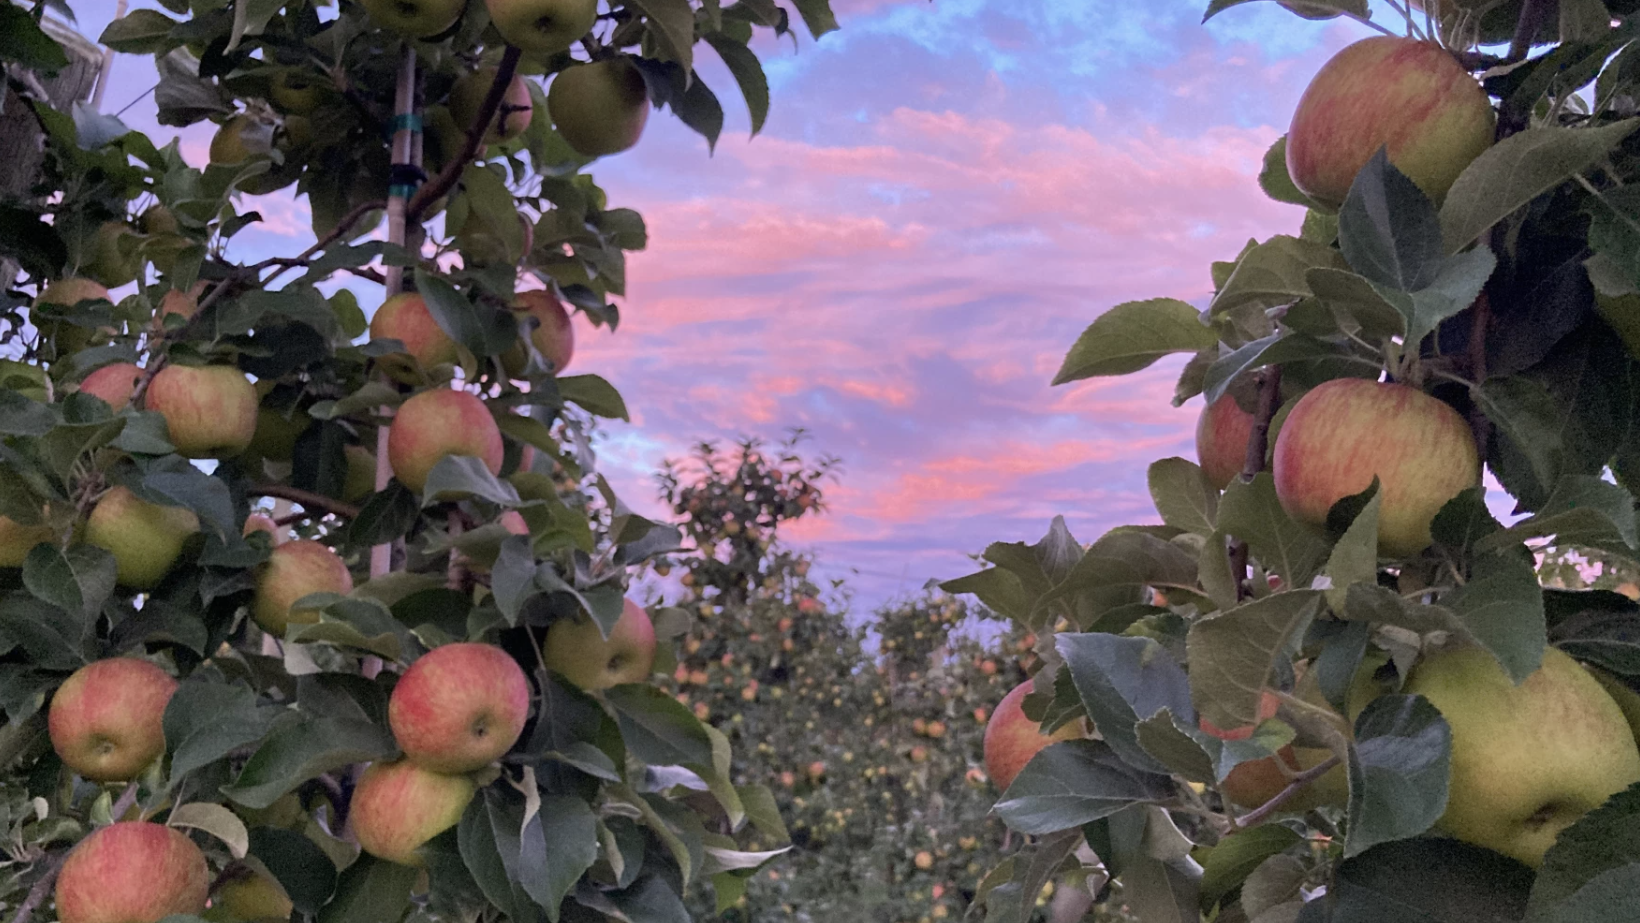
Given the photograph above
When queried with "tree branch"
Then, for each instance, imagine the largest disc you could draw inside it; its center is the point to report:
(1534, 15)
(37, 894)
(1258, 814)
(306, 498)
(1258, 446)
(446, 179)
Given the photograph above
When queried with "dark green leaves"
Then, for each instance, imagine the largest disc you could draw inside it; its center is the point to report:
(657, 729)
(1398, 771)
(1133, 335)
(1233, 654)
(1433, 880)
(1251, 512)
(1122, 681)
(301, 749)
(1592, 872)
(1501, 606)
(1388, 229)
(23, 42)
(1072, 783)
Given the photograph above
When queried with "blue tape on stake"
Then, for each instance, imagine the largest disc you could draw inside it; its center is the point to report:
(401, 192)
(409, 121)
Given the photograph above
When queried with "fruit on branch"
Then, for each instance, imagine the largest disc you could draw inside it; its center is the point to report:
(459, 707)
(415, 18)
(240, 139)
(132, 872)
(157, 219)
(105, 261)
(599, 108)
(276, 433)
(437, 423)
(405, 317)
(260, 522)
(294, 570)
(183, 304)
(577, 650)
(1626, 698)
(146, 539)
(510, 120)
(113, 384)
(297, 91)
(554, 332)
(397, 807)
(543, 27)
(1347, 431)
(1411, 96)
(1527, 760)
(1254, 782)
(1012, 738)
(106, 719)
(1221, 440)
(209, 410)
(70, 338)
(246, 891)
(361, 473)
(17, 540)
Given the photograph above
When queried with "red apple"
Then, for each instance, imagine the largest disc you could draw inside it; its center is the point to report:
(184, 304)
(554, 333)
(576, 650)
(1012, 738)
(437, 423)
(294, 570)
(404, 317)
(261, 522)
(1253, 783)
(134, 872)
(1347, 431)
(398, 807)
(210, 410)
(459, 707)
(146, 539)
(106, 718)
(1412, 96)
(113, 384)
(1221, 440)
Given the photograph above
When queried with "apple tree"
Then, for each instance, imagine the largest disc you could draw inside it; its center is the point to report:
(1331, 685)
(279, 587)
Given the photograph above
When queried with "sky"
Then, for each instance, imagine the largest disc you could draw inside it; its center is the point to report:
(944, 196)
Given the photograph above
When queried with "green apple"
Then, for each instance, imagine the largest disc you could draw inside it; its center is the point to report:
(17, 540)
(415, 18)
(599, 108)
(437, 423)
(277, 432)
(576, 649)
(361, 473)
(1347, 431)
(398, 807)
(246, 892)
(1411, 96)
(1624, 695)
(145, 539)
(405, 317)
(114, 384)
(158, 219)
(1527, 760)
(107, 719)
(294, 570)
(1012, 738)
(459, 707)
(210, 410)
(1221, 440)
(510, 120)
(543, 27)
(297, 91)
(105, 260)
(241, 138)
(132, 872)
(553, 333)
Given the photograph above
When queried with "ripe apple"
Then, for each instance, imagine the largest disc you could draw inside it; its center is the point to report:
(113, 384)
(397, 807)
(1626, 698)
(240, 139)
(261, 522)
(210, 410)
(132, 872)
(459, 707)
(296, 569)
(106, 719)
(297, 91)
(1409, 95)
(404, 317)
(105, 261)
(1221, 440)
(145, 539)
(415, 18)
(246, 892)
(467, 97)
(543, 27)
(17, 540)
(437, 423)
(1012, 738)
(599, 108)
(576, 650)
(183, 304)
(1348, 430)
(554, 333)
(1527, 760)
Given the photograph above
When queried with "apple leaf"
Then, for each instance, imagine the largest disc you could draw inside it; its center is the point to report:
(1045, 863)
(1464, 521)
(1114, 572)
(998, 588)
(488, 838)
(1356, 304)
(386, 515)
(1529, 421)
(1388, 229)
(484, 330)
(1122, 680)
(53, 638)
(1250, 511)
(558, 843)
(1171, 746)
(462, 477)
(1427, 880)
(1309, 9)
(1582, 510)
(188, 487)
(1276, 182)
(1159, 885)
(299, 750)
(817, 16)
(657, 728)
(79, 580)
(1274, 349)
(1071, 783)
(1228, 864)
(300, 866)
(1233, 654)
(1456, 287)
(1273, 884)
(1133, 335)
(23, 41)
(1398, 769)
(671, 24)
(1586, 871)
(1182, 495)
(1273, 274)
(1501, 606)
(748, 72)
(371, 891)
(206, 721)
(216, 820)
(594, 395)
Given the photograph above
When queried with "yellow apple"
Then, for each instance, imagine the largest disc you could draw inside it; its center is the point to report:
(576, 649)
(510, 120)
(599, 108)
(145, 539)
(296, 569)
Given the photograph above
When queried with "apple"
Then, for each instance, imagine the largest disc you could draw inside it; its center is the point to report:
(1012, 738)
(246, 892)
(240, 138)
(1345, 432)
(183, 304)
(397, 807)
(145, 539)
(1527, 760)
(157, 219)
(1411, 96)
(543, 27)
(1254, 782)
(404, 317)
(599, 108)
(132, 872)
(113, 384)
(105, 261)
(1222, 434)
(71, 291)
(361, 473)
(1626, 698)
(459, 707)
(210, 410)
(296, 569)
(467, 97)
(415, 18)
(554, 332)
(437, 423)
(576, 650)
(277, 432)
(261, 522)
(296, 91)
(106, 719)
(17, 540)
(68, 338)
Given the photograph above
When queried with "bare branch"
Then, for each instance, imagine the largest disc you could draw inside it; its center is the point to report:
(306, 498)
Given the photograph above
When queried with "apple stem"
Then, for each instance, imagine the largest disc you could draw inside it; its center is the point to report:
(1258, 814)
(1533, 15)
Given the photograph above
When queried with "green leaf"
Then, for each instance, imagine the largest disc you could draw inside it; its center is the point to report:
(1428, 880)
(650, 900)
(1163, 739)
(1275, 349)
(557, 845)
(79, 580)
(1233, 654)
(20, 416)
(23, 41)
(1501, 606)
(1273, 274)
(1388, 229)
(1235, 857)
(1071, 783)
(1121, 681)
(1132, 336)
(671, 23)
(1517, 170)
(1356, 304)
(817, 16)
(748, 72)
(1586, 511)
(1183, 497)
(488, 837)
(387, 515)
(1587, 861)
(1309, 9)
(1250, 511)
(1274, 179)
(1399, 763)
(192, 489)
(595, 395)
(485, 331)
(1115, 570)
(1354, 558)
(463, 477)
(216, 820)
(1459, 283)
(306, 873)
(300, 750)
(371, 891)
(657, 728)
